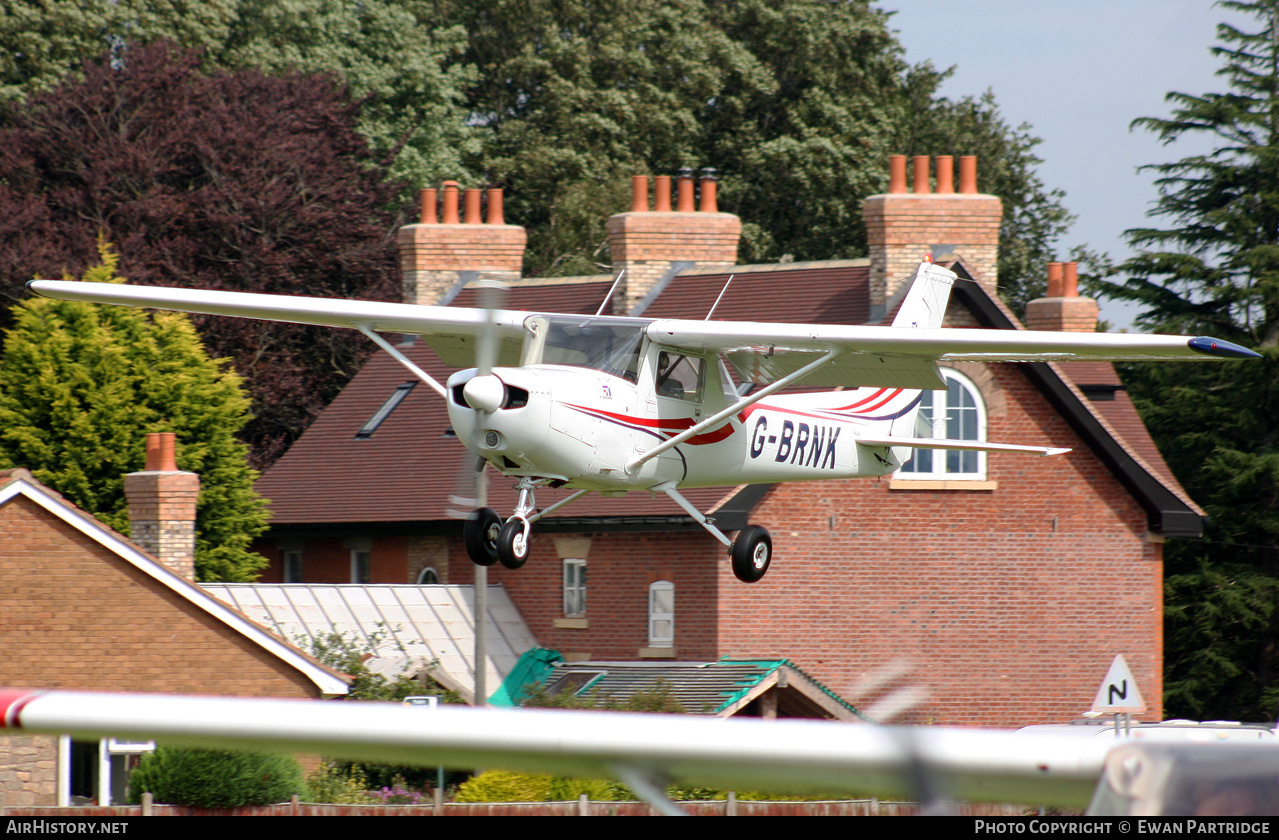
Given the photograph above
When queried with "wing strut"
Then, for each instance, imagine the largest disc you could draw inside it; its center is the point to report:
(404, 360)
(648, 789)
(726, 413)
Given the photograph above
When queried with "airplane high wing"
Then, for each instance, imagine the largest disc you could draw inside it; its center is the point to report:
(644, 751)
(614, 404)
(447, 324)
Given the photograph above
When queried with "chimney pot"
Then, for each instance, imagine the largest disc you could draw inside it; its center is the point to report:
(684, 201)
(945, 174)
(450, 203)
(1054, 280)
(639, 194)
(662, 194)
(495, 216)
(1070, 279)
(428, 206)
(473, 206)
(709, 202)
(160, 452)
(968, 174)
(921, 175)
(897, 174)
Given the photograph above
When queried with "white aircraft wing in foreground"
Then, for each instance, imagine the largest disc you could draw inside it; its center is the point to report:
(644, 751)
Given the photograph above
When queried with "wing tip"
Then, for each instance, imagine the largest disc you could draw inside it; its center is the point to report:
(1221, 349)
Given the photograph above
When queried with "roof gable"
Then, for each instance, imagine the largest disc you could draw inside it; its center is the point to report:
(20, 484)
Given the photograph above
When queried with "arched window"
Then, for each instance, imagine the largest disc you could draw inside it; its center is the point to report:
(428, 576)
(958, 413)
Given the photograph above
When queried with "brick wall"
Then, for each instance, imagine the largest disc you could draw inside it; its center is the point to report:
(620, 568)
(73, 615)
(1009, 604)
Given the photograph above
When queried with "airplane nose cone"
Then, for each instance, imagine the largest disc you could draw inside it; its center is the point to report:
(484, 393)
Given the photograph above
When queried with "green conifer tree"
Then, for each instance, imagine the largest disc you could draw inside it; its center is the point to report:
(1215, 271)
(82, 384)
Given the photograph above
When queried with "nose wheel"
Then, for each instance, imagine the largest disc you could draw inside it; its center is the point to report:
(513, 542)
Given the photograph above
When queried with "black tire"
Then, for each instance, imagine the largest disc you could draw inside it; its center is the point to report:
(752, 553)
(512, 548)
(479, 534)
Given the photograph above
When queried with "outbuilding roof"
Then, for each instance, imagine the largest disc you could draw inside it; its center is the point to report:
(406, 628)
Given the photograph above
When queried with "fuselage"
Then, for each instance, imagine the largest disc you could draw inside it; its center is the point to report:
(581, 426)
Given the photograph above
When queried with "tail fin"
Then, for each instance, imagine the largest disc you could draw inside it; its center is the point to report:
(925, 304)
(923, 308)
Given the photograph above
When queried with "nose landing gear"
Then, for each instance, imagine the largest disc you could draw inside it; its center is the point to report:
(488, 541)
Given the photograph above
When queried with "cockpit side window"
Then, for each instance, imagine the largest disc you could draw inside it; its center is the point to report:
(679, 377)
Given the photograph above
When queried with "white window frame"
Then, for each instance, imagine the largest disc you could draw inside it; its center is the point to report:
(661, 623)
(947, 422)
(574, 587)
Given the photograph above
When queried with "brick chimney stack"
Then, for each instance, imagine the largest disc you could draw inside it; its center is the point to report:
(162, 503)
(652, 245)
(448, 249)
(901, 226)
(1062, 309)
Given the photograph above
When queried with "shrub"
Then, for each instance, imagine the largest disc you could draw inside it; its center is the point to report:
(505, 786)
(210, 779)
(338, 784)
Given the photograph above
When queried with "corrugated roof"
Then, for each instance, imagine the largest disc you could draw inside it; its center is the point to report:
(409, 626)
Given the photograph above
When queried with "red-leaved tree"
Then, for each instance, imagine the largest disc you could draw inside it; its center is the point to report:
(229, 180)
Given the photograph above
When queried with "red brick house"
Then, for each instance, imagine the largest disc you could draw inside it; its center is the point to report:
(82, 607)
(1007, 582)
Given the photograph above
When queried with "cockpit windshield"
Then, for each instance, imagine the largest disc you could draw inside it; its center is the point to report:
(611, 346)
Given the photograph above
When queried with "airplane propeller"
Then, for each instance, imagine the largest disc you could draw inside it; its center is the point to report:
(484, 393)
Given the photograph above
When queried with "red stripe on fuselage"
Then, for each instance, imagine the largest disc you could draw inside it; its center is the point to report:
(671, 426)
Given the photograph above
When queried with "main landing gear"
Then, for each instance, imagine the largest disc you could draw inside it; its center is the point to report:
(488, 540)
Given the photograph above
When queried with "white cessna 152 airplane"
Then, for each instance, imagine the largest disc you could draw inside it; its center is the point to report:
(614, 404)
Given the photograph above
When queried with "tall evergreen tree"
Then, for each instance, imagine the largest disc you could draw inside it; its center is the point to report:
(1215, 270)
(81, 385)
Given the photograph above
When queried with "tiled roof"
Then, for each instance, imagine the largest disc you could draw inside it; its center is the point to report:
(1100, 379)
(834, 293)
(409, 626)
(720, 688)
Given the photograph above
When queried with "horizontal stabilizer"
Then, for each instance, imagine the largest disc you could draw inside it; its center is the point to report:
(973, 445)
